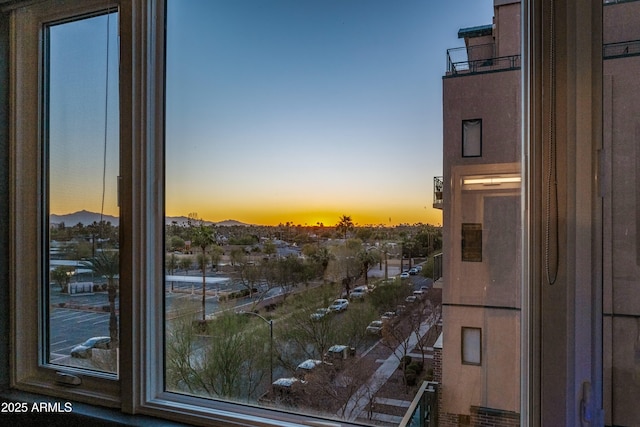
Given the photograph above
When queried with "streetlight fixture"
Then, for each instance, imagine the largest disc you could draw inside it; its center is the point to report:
(270, 323)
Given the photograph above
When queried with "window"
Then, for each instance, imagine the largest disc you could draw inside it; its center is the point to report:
(472, 242)
(471, 346)
(65, 139)
(472, 138)
(564, 319)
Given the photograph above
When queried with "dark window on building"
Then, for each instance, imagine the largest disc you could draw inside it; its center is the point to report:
(472, 242)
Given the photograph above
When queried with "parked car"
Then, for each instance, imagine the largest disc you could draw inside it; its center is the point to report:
(375, 327)
(339, 352)
(404, 275)
(387, 316)
(340, 304)
(413, 271)
(411, 298)
(84, 350)
(419, 268)
(424, 288)
(419, 293)
(319, 313)
(358, 293)
(307, 366)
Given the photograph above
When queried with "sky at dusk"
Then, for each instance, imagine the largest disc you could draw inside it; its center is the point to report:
(298, 110)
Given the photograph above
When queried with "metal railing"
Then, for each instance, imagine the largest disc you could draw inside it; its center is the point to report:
(480, 58)
(438, 186)
(423, 411)
(617, 50)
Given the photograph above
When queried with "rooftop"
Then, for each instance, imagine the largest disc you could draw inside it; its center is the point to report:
(482, 30)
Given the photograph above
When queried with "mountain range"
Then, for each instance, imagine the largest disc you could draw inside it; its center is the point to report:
(85, 217)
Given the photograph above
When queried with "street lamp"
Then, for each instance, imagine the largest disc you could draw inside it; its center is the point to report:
(270, 323)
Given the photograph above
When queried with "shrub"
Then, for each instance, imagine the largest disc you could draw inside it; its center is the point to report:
(430, 374)
(405, 361)
(410, 377)
(415, 366)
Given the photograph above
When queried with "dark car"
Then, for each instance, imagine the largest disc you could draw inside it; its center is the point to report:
(84, 350)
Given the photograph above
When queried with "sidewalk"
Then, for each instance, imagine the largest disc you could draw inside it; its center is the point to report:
(360, 401)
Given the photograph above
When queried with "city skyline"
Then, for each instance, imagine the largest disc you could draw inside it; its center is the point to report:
(298, 111)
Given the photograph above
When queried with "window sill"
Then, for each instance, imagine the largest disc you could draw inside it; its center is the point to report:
(53, 414)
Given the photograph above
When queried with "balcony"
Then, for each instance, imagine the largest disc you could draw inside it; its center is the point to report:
(621, 50)
(438, 185)
(478, 59)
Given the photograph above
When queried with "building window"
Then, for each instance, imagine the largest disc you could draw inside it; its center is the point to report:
(472, 138)
(471, 346)
(472, 242)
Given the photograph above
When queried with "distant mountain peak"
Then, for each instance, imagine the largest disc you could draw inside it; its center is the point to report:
(231, 222)
(86, 217)
(83, 217)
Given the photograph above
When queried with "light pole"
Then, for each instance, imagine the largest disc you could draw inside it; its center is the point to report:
(270, 323)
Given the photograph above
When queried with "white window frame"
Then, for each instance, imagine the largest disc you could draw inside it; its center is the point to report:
(29, 370)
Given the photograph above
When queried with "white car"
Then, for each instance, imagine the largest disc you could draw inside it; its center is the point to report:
(319, 313)
(84, 350)
(404, 275)
(358, 293)
(340, 304)
(387, 316)
(375, 327)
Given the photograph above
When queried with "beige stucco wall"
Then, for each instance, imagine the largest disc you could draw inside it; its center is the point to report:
(507, 29)
(493, 384)
(620, 22)
(483, 294)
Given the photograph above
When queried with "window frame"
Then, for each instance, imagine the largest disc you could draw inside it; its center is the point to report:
(29, 372)
(142, 213)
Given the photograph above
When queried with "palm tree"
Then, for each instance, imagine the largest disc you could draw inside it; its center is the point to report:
(62, 276)
(322, 256)
(107, 264)
(345, 224)
(171, 264)
(203, 237)
(366, 259)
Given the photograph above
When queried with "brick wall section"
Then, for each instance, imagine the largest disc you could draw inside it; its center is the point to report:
(437, 377)
(480, 417)
(486, 417)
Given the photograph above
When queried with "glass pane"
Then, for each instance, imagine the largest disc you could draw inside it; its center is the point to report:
(621, 214)
(471, 346)
(472, 138)
(82, 157)
(302, 142)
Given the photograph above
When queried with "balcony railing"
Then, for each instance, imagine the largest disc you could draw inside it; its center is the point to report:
(423, 411)
(479, 59)
(618, 50)
(438, 186)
